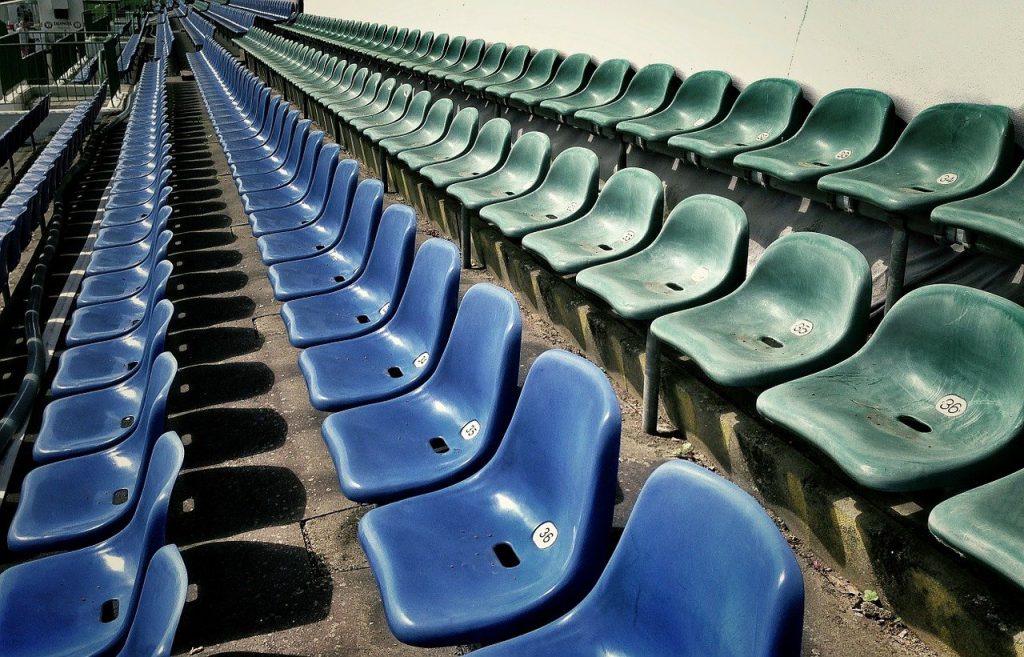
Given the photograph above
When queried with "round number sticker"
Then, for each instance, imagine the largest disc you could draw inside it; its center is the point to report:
(762, 136)
(843, 154)
(571, 207)
(951, 406)
(421, 360)
(801, 327)
(700, 121)
(699, 274)
(947, 179)
(628, 236)
(545, 535)
(471, 429)
(385, 308)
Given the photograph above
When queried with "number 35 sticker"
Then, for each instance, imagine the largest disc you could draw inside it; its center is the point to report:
(545, 535)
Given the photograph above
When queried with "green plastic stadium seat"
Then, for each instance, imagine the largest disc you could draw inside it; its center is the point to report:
(511, 68)
(436, 123)
(765, 113)
(932, 401)
(451, 57)
(488, 152)
(625, 218)
(987, 525)
(489, 63)
(570, 77)
(846, 129)
(435, 52)
(421, 48)
(567, 193)
(411, 120)
(527, 163)
(700, 255)
(948, 152)
(703, 100)
(469, 60)
(803, 308)
(460, 136)
(648, 92)
(608, 82)
(995, 215)
(538, 73)
(365, 118)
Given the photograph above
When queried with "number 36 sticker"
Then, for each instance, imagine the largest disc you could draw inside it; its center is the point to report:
(951, 405)
(545, 535)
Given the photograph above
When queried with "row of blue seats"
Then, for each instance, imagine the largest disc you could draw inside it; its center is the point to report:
(274, 10)
(164, 37)
(236, 21)
(103, 486)
(24, 209)
(198, 28)
(688, 275)
(428, 417)
(127, 57)
(23, 130)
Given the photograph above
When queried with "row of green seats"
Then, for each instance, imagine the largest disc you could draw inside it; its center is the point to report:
(891, 411)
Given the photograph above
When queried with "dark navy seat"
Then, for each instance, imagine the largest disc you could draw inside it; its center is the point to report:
(700, 571)
(370, 300)
(446, 429)
(399, 355)
(521, 541)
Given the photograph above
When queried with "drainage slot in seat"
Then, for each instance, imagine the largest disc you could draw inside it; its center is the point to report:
(674, 287)
(508, 193)
(120, 496)
(819, 164)
(132, 364)
(551, 216)
(914, 423)
(339, 279)
(918, 188)
(506, 555)
(395, 372)
(363, 319)
(439, 446)
(771, 342)
(320, 247)
(127, 421)
(110, 610)
(604, 247)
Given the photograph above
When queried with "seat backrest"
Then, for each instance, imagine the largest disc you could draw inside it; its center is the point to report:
(431, 295)
(714, 226)
(471, 56)
(493, 141)
(515, 61)
(392, 254)
(439, 117)
(362, 221)
(454, 51)
(493, 57)
(632, 198)
(160, 605)
(423, 47)
(541, 66)
(692, 532)
(530, 156)
(574, 174)
(707, 95)
(154, 327)
(573, 70)
(344, 194)
(418, 107)
(323, 176)
(851, 118)
(437, 48)
(652, 85)
(771, 99)
(610, 78)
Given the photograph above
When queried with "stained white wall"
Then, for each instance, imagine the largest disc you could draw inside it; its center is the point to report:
(921, 52)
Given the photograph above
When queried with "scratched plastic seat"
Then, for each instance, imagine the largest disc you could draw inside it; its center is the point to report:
(105, 321)
(315, 237)
(334, 183)
(380, 103)
(470, 58)
(160, 605)
(766, 112)
(532, 529)
(992, 216)
(375, 86)
(538, 73)
(488, 152)
(100, 364)
(690, 532)
(460, 137)
(847, 128)
(605, 85)
(570, 77)
(700, 255)
(338, 264)
(649, 91)
(82, 500)
(932, 401)
(512, 67)
(803, 307)
(985, 525)
(430, 131)
(624, 219)
(370, 301)
(91, 594)
(489, 63)
(446, 429)
(117, 285)
(394, 111)
(947, 152)
(411, 120)
(702, 100)
(296, 189)
(527, 163)
(401, 354)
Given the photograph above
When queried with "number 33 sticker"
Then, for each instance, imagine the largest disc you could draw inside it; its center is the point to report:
(545, 535)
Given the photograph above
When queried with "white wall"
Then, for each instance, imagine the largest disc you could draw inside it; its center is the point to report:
(921, 52)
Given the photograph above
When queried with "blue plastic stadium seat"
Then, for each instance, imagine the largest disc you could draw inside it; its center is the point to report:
(521, 541)
(81, 500)
(340, 263)
(333, 183)
(91, 594)
(109, 237)
(446, 429)
(160, 606)
(105, 321)
(291, 178)
(399, 355)
(109, 362)
(370, 300)
(700, 571)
